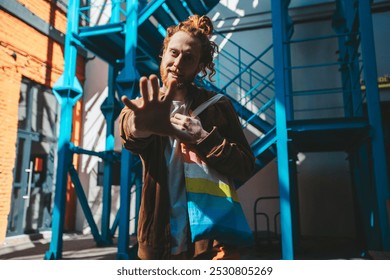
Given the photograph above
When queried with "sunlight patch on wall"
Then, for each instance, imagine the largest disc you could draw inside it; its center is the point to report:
(225, 40)
(94, 130)
(232, 5)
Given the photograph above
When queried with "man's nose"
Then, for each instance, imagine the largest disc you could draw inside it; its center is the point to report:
(178, 60)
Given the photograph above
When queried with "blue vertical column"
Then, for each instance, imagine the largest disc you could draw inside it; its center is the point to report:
(125, 81)
(374, 116)
(108, 109)
(127, 160)
(282, 90)
(67, 91)
(344, 24)
(289, 107)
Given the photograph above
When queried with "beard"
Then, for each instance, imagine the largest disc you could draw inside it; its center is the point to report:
(181, 82)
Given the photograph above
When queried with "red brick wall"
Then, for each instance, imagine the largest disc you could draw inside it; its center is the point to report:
(24, 52)
(9, 96)
(48, 11)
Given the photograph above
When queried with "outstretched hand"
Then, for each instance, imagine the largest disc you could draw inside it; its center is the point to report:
(152, 114)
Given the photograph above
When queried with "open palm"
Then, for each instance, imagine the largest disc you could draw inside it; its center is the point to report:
(152, 114)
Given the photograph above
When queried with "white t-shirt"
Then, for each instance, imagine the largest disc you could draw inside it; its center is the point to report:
(177, 190)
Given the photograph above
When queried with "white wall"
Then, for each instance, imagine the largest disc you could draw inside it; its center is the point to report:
(95, 92)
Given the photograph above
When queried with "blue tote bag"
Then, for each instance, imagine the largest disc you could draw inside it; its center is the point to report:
(213, 206)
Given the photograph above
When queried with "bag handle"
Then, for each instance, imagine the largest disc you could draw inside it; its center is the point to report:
(206, 104)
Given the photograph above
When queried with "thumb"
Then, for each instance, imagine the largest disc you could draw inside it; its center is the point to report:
(127, 102)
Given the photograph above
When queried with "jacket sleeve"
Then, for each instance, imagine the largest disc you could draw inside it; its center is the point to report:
(225, 148)
(135, 145)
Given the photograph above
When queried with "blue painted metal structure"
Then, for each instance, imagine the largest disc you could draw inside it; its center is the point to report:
(67, 91)
(280, 29)
(350, 133)
(381, 180)
(130, 43)
(127, 79)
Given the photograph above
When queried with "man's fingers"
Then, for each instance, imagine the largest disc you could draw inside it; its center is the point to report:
(128, 103)
(144, 88)
(154, 86)
(180, 116)
(176, 122)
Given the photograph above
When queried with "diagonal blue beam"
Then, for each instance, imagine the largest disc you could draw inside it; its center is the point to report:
(197, 7)
(84, 205)
(178, 10)
(163, 17)
(264, 143)
(149, 10)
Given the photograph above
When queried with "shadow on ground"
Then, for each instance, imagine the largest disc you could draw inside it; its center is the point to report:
(83, 247)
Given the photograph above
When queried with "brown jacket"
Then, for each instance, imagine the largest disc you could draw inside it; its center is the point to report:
(225, 149)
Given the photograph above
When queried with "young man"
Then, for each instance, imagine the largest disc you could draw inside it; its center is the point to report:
(154, 125)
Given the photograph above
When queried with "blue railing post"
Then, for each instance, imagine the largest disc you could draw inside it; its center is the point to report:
(67, 90)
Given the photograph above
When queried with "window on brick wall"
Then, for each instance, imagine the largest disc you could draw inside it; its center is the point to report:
(38, 109)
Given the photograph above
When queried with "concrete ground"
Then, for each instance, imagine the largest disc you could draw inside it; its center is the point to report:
(83, 247)
(75, 247)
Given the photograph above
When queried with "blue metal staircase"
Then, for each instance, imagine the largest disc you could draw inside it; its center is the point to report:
(250, 91)
(260, 88)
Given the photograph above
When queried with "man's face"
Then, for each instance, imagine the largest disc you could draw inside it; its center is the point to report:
(180, 60)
